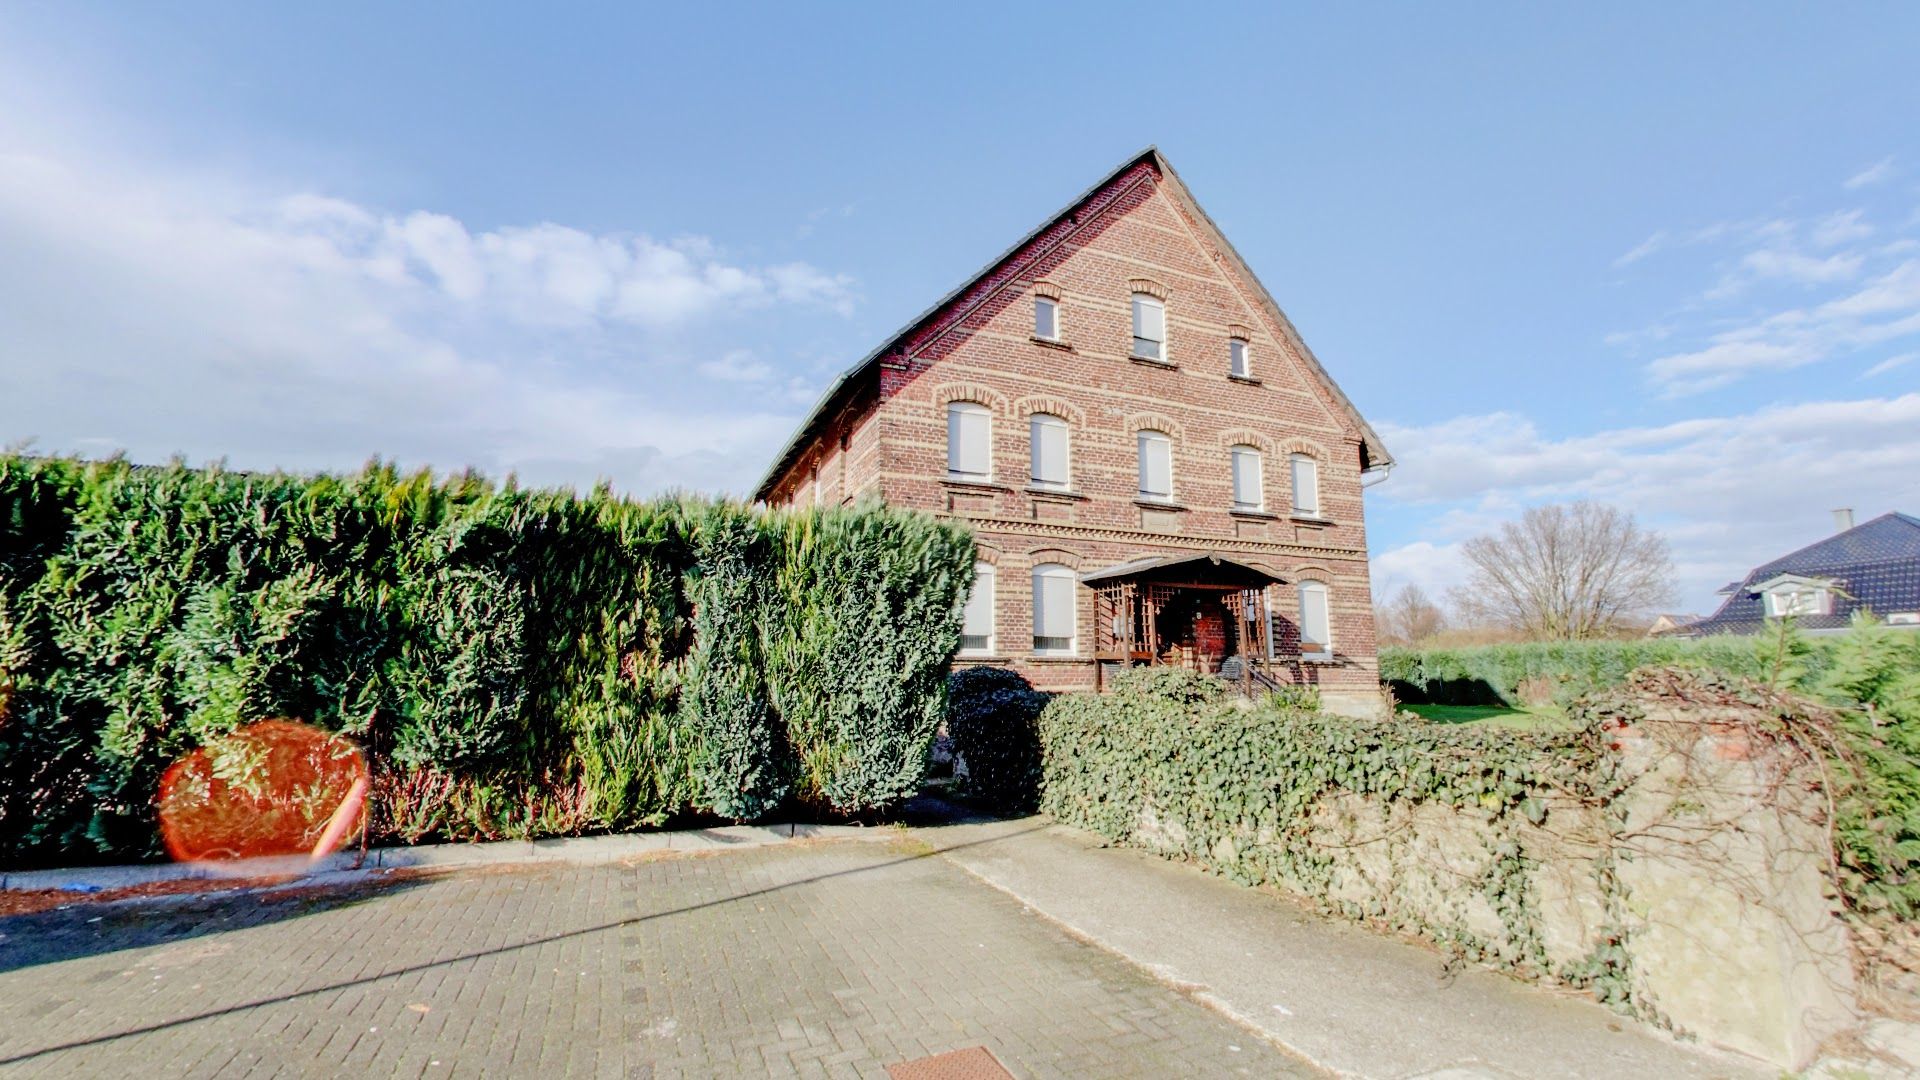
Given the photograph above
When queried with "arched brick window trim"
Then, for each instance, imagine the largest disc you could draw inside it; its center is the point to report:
(1047, 289)
(1039, 556)
(1148, 286)
(1305, 446)
(949, 393)
(1247, 437)
(1139, 422)
(1052, 406)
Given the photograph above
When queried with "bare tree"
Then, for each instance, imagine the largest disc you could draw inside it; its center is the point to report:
(1409, 617)
(1580, 570)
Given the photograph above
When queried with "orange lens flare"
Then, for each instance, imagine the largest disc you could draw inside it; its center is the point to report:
(274, 788)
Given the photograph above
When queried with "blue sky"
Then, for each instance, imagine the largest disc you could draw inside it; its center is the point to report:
(1669, 259)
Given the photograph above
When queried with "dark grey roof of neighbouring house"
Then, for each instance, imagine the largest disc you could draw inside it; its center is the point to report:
(1874, 565)
(1373, 450)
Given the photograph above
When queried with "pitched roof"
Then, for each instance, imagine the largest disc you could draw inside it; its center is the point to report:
(1373, 451)
(1875, 565)
(1210, 563)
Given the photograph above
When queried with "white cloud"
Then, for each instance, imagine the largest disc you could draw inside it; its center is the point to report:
(1435, 568)
(738, 366)
(1885, 308)
(1807, 269)
(1640, 251)
(1889, 364)
(1729, 491)
(1839, 227)
(1872, 174)
(161, 311)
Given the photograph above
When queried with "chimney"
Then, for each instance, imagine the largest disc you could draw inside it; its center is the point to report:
(1843, 519)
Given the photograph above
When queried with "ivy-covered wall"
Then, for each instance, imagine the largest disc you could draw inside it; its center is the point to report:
(517, 662)
(1569, 857)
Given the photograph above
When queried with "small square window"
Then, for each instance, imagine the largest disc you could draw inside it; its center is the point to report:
(1046, 318)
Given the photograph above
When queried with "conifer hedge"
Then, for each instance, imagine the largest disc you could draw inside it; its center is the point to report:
(1504, 674)
(516, 662)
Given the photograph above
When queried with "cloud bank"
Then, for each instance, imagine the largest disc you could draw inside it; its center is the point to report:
(160, 312)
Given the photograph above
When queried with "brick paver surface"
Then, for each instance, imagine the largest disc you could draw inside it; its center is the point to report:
(794, 960)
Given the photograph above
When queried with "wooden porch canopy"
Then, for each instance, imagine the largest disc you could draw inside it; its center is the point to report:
(1162, 610)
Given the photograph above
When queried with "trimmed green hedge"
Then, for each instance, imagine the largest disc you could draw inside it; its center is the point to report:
(1563, 670)
(993, 717)
(516, 662)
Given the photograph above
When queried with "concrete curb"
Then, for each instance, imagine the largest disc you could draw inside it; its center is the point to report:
(566, 849)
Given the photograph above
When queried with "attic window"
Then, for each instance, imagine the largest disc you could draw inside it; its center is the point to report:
(1798, 598)
(1046, 318)
(1149, 328)
(1238, 363)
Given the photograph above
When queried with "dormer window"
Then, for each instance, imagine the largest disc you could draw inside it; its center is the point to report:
(1791, 596)
(1784, 602)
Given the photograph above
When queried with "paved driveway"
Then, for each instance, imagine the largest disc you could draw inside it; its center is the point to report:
(832, 959)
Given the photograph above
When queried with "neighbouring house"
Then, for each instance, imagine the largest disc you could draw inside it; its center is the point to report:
(1157, 469)
(1871, 567)
(1670, 625)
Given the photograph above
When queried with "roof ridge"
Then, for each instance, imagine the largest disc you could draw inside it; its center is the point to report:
(1370, 440)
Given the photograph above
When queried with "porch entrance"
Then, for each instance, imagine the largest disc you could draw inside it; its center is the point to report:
(1205, 613)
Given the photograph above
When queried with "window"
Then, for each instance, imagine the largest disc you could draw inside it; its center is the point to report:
(1149, 328)
(1804, 600)
(1049, 441)
(1046, 318)
(1247, 482)
(1054, 617)
(1306, 485)
(969, 441)
(1316, 641)
(976, 623)
(1238, 362)
(1156, 466)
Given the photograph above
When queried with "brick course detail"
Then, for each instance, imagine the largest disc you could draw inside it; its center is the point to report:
(882, 432)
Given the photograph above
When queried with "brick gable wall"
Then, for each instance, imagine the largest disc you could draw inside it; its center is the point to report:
(1135, 234)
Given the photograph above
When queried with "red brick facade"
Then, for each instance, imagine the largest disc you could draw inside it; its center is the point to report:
(883, 430)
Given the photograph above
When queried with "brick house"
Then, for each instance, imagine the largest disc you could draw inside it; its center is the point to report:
(1156, 467)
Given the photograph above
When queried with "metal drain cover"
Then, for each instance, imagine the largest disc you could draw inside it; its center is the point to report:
(973, 1063)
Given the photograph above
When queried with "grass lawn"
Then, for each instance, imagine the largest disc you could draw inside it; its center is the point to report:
(1489, 714)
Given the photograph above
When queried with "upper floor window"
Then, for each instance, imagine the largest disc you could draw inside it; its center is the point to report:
(1316, 631)
(976, 620)
(1306, 485)
(1054, 614)
(1247, 480)
(1156, 466)
(969, 441)
(1048, 435)
(1149, 327)
(1046, 318)
(1239, 361)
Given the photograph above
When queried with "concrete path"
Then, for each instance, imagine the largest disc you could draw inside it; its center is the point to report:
(797, 958)
(807, 959)
(1351, 1001)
